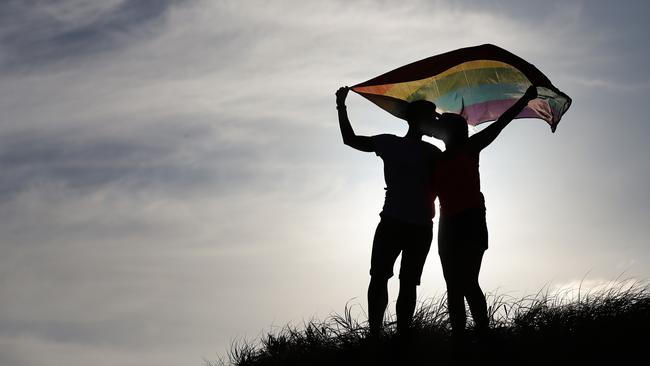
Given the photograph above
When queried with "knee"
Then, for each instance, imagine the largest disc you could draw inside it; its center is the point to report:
(454, 292)
(408, 284)
(378, 282)
(468, 281)
(454, 286)
(407, 288)
(472, 288)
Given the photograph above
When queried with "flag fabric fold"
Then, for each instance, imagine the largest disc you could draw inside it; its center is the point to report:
(480, 83)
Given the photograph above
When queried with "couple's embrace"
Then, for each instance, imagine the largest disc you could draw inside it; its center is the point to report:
(417, 172)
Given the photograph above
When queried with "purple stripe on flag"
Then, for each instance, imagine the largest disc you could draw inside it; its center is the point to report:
(490, 111)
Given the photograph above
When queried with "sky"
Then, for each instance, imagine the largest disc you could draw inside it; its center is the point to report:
(172, 176)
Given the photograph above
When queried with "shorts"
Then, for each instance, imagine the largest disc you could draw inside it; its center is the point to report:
(393, 237)
(463, 232)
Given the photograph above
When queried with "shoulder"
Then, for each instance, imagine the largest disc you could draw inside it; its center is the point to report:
(383, 143)
(384, 137)
(465, 152)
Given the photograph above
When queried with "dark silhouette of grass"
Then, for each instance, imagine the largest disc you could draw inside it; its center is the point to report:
(610, 326)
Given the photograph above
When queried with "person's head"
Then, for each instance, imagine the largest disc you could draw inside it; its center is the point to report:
(421, 115)
(451, 128)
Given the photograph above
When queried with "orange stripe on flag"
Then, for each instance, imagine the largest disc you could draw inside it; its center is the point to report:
(374, 89)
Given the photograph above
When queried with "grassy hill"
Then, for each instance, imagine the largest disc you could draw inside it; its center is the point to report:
(610, 326)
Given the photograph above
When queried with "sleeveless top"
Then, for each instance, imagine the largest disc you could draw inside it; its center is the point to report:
(458, 181)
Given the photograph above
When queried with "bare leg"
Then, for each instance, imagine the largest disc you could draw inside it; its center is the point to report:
(478, 307)
(377, 302)
(455, 300)
(457, 316)
(474, 294)
(405, 305)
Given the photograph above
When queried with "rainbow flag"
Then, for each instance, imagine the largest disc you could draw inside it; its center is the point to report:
(480, 83)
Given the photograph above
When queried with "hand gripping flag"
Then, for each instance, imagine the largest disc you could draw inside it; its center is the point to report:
(480, 83)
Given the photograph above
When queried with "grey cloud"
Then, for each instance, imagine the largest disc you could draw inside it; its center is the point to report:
(81, 161)
(173, 156)
(31, 37)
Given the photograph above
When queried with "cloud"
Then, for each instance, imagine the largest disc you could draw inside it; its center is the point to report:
(169, 167)
(35, 34)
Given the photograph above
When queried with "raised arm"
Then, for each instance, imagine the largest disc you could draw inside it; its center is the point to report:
(482, 139)
(362, 143)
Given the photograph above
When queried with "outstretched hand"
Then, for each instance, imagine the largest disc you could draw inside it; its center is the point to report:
(341, 94)
(485, 137)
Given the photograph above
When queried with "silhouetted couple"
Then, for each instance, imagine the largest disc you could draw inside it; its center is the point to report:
(415, 173)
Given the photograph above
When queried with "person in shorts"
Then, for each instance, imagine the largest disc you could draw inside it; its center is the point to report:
(405, 224)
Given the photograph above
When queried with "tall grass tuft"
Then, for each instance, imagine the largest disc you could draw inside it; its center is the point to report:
(609, 325)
